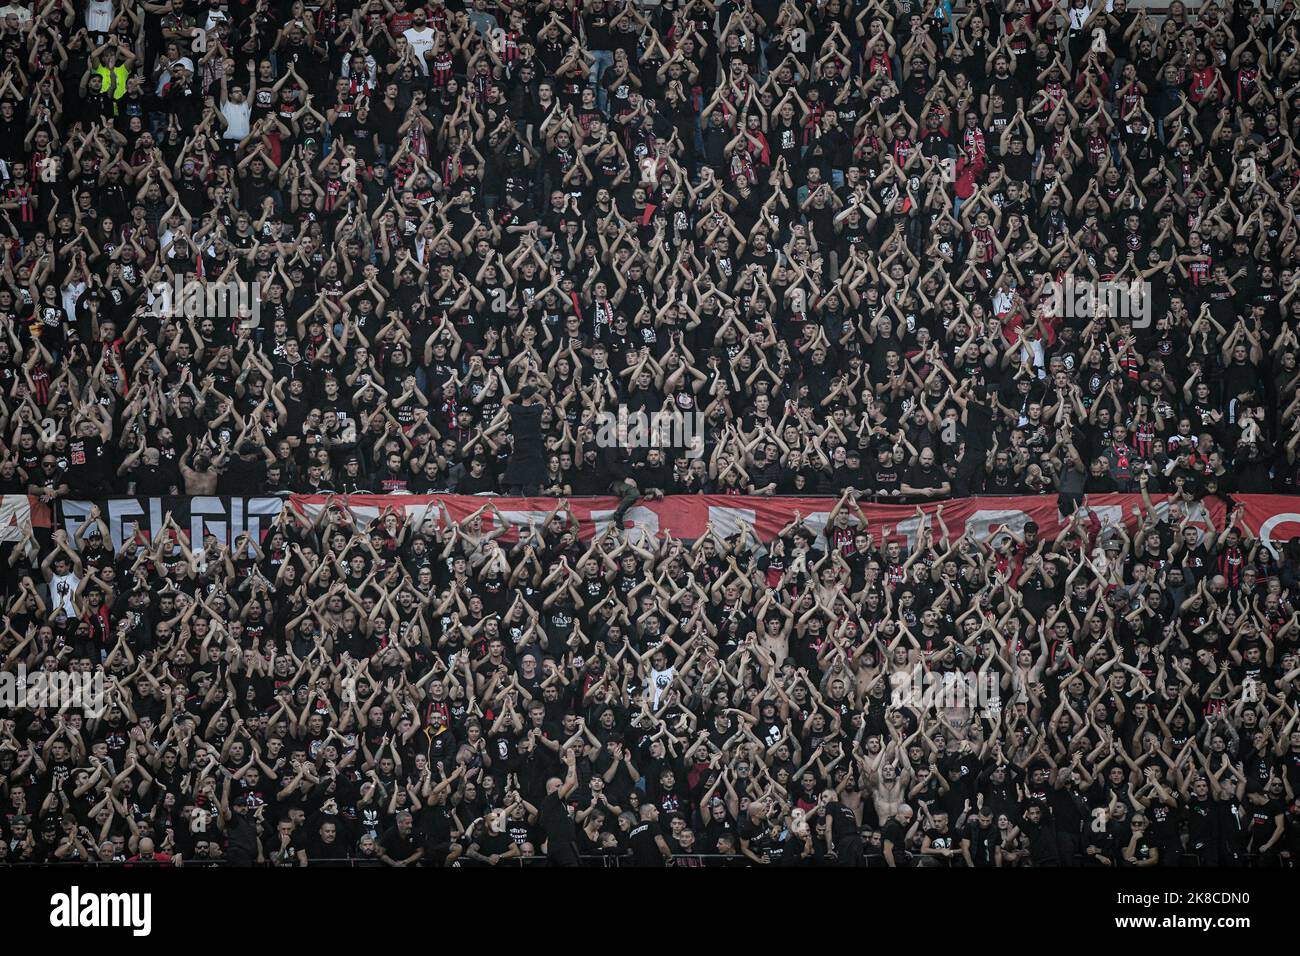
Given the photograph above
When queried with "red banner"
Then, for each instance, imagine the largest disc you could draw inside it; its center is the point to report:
(1275, 518)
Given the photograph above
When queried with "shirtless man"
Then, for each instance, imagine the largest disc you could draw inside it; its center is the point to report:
(201, 477)
(889, 789)
(775, 636)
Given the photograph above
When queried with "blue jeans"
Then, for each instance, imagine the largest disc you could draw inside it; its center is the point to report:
(604, 60)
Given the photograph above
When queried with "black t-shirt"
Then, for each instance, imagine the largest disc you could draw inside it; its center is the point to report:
(1141, 851)
(320, 853)
(943, 840)
(844, 825)
(1105, 843)
(1042, 843)
(397, 846)
(1261, 821)
(921, 477)
(244, 476)
(490, 844)
(561, 836)
(885, 477)
(1202, 822)
(645, 851)
(87, 461)
(893, 833)
(983, 841)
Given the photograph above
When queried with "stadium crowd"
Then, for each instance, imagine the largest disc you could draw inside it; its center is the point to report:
(455, 238)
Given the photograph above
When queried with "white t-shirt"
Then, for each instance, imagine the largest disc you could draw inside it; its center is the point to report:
(661, 681)
(1080, 15)
(1002, 301)
(421, 42)
(62, 587)
(237, 117)
(71, 293)
(99, 16)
